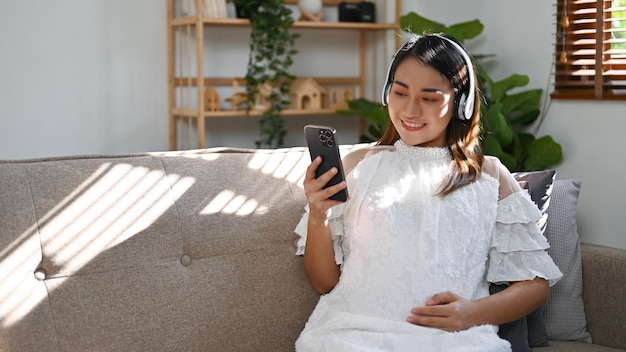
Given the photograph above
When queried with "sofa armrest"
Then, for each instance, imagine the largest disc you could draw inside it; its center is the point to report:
(604, 294)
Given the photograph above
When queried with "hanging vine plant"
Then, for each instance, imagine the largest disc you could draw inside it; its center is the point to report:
(271, 55)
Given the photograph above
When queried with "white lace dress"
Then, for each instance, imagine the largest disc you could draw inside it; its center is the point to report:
(398, 244)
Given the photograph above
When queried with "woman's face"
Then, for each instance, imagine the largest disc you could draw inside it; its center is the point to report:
(421, 103)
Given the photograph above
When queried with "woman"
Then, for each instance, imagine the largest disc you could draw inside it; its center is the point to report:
(405, 264)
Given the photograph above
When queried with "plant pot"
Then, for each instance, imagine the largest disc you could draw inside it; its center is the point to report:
(310, 6)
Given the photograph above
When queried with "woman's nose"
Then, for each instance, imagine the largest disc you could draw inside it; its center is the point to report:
(414, 108)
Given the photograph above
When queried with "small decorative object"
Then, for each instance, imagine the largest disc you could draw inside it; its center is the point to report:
(364, 11)
(214, 9)
(338, 97)
(238, 97)
(311, 10)
(262, 98)
(211, 99)
(306, 94)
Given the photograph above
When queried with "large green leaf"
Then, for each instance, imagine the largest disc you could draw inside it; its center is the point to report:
(498, 89)
(521, 103)
(465, 30)
(542, 153)
(492, 147)
(414, 23)
(498, 126)
(525, 118)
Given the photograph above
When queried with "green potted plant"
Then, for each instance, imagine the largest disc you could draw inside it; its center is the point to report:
(507, 116)
(271, 55)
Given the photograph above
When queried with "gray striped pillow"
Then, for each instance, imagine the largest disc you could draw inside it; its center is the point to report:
(565, 312)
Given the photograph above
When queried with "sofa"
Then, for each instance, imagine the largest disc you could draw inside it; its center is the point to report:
(187, 251)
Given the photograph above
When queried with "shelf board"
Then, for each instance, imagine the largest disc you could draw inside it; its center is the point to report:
(240, 22)
(325, 2)
(228, 81)
(178, 112)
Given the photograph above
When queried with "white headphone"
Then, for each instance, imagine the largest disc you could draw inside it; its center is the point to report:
(464, 101)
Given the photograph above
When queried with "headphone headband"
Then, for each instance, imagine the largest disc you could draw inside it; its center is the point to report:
(465, 101)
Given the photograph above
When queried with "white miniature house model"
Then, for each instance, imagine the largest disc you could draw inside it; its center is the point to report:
(306, 94)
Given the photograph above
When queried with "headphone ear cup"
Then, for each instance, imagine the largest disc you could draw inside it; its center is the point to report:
(469, 105)
(386, 91)
(460, 106)
(387, 87)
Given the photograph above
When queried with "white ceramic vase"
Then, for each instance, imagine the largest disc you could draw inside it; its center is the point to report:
(310, 6)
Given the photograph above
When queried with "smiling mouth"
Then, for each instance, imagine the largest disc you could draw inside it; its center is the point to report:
(413, 125)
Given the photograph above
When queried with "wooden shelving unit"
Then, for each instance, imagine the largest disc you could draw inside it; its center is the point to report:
(187, 78)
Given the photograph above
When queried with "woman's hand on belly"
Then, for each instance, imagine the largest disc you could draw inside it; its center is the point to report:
(446, 311)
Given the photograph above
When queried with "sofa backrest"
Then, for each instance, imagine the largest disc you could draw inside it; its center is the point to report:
(175, 251)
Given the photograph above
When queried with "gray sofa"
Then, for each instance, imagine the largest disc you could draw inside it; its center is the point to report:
(184, 251)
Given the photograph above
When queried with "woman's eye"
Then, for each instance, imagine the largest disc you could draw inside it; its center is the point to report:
(398, 93)
(429, 100)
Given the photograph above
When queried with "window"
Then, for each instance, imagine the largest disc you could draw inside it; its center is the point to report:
(590, 50)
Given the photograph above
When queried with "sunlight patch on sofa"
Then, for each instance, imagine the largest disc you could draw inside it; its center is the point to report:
(96, 220)
(228, 202)
(114, 204)
(290, 166)
(17, 294)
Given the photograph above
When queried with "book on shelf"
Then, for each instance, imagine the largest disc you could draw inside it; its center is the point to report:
(215, 9)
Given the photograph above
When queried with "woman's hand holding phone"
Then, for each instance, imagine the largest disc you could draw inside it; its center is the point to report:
(323, 145)
(319, 198)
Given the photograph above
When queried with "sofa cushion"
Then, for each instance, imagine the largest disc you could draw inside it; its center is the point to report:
(20, 254)
(574, 346)
(604, 275)
(565, 313)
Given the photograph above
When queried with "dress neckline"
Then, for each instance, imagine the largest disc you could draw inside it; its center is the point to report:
(428, 153)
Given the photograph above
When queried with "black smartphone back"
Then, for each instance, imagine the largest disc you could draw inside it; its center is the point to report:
(322, 141)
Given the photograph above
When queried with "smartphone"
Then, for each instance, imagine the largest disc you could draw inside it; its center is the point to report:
(322, 141)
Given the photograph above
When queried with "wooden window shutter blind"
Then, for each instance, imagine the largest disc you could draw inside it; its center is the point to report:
(590, 50)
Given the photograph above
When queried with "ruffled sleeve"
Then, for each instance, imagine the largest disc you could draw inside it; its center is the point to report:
(336, 229)
(518, 249)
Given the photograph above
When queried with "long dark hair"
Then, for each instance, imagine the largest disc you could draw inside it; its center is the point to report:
(462, 135)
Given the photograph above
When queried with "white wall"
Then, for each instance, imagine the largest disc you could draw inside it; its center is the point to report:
(84, 77)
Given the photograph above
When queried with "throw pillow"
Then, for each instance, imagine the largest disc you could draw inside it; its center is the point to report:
(530, 331)
(540, 185)
(516, 332)
(565, 312)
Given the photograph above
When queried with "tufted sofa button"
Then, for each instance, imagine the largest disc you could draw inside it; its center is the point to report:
(40, 274)
(185, 259)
